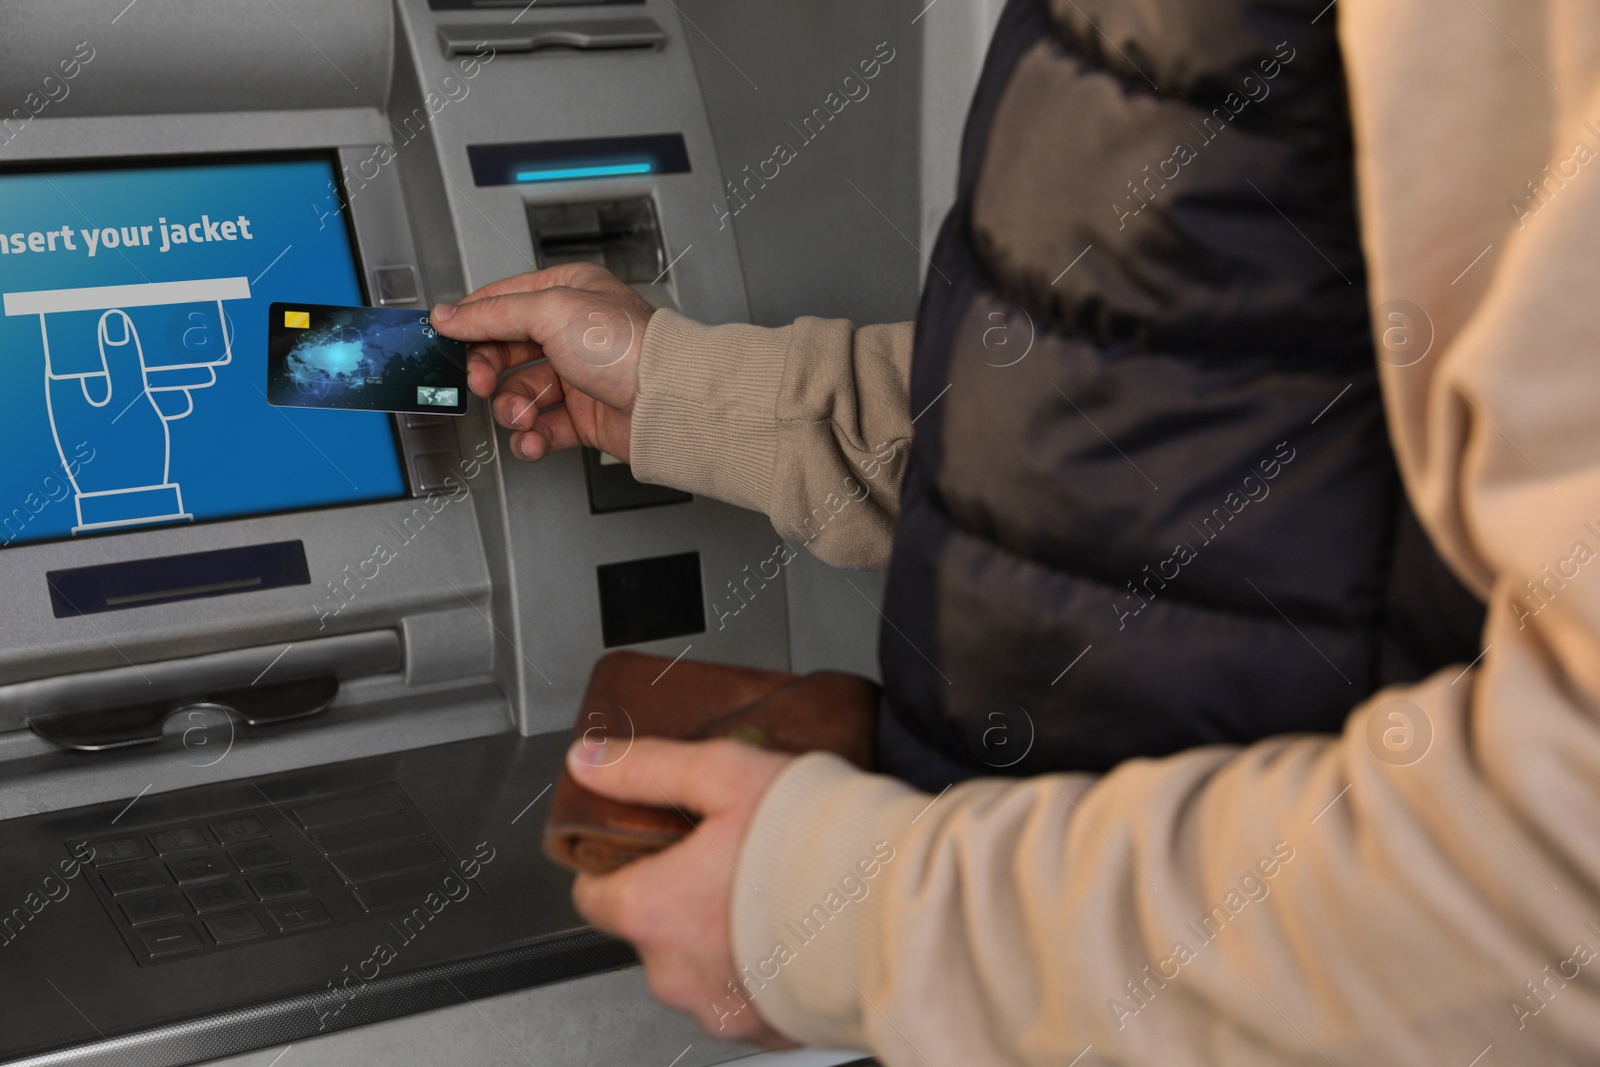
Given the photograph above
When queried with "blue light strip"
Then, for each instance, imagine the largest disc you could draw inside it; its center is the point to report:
(564, 173)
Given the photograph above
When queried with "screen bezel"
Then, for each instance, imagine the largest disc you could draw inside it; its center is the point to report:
(330, 156)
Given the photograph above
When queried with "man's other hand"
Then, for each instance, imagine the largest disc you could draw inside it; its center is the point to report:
(676, 906)
(557, 350)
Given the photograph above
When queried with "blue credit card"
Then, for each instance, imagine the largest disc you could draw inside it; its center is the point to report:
(363, 359)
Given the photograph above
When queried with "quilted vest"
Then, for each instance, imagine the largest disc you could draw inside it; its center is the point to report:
(1150, 502)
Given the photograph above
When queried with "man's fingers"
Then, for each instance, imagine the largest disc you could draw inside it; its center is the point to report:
(603, 901)
(522, 316)
(701, 777)
(525, 393)
(552, 431)
(576, 275)
(488, 360)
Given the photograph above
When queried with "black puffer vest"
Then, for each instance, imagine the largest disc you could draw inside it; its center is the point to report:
(1151, 502)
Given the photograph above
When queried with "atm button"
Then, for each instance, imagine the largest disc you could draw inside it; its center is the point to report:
(240, 926)
(116, 850)
(258, 857)
(434, 469)
(180, 840)
(412, 889)
(166, 940)
(196, 868)
(390, 831)
(150, 909)
(125, 880)
(244, 828)
(219, 897)
(277, 885)
(346, 809)
(359, 867)
(297, 915)
(395, 285)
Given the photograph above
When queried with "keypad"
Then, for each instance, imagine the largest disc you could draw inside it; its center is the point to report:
(221, 880)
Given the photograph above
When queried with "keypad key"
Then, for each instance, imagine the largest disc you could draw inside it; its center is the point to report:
(125, 880)
(166, 940)
(116, 850)
(242, 828)
(151, 908)
(196, 868)
(182, 839)
(240, 926)
(393, 892)
(277, 885)
(219, 897)
(297, 915)
(346, 809)
(367, 866)
(370, 834)
(258, 857)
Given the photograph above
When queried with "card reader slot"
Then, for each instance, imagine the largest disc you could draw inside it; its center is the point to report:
(624, 236)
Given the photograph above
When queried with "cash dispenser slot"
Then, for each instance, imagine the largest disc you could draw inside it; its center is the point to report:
(260, 686)
(586, 35)
(144, 723)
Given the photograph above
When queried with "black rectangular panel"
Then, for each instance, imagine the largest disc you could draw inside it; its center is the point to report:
(141, 583)
(612, 487)
(531, 162)
(651, 599)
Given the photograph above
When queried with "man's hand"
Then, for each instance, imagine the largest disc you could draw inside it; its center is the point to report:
(570, 335)
(676, 906)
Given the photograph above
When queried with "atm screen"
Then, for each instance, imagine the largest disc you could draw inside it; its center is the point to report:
(133, 349)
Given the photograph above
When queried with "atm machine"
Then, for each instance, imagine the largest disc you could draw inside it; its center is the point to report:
(283, 692)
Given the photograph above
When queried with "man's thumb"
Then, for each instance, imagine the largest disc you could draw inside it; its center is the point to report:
(645, 770)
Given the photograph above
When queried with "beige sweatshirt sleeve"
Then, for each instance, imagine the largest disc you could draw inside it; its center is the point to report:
(807, 424)
(1425, 887)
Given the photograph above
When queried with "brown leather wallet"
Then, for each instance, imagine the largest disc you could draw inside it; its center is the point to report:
(634, 695)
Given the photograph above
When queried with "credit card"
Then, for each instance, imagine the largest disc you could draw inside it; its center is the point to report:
(363, 359)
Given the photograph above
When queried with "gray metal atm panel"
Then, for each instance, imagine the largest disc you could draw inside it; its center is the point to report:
(544, 543)
(527, 581)
(236, 63)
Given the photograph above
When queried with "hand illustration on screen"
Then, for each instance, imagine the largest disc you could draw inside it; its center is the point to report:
(116, 387)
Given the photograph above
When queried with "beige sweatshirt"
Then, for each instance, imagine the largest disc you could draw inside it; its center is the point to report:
(1425, 888)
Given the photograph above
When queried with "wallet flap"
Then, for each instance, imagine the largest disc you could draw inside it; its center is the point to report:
(631, 694)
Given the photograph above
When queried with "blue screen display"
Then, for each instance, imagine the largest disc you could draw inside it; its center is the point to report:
(133, 349)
